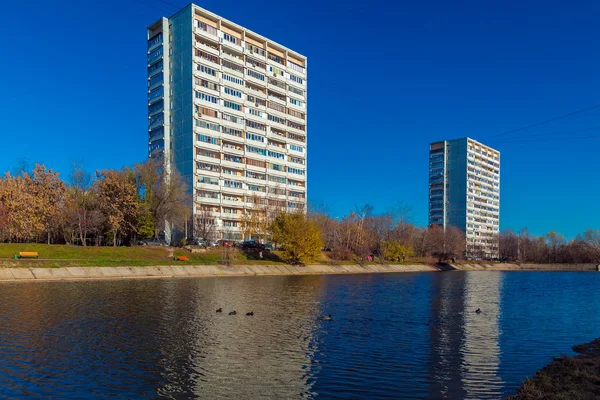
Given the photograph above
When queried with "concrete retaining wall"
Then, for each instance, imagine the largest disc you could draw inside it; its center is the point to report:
(170, 271)
(73, 273)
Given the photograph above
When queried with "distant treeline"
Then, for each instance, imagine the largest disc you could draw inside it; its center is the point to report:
(391, 236)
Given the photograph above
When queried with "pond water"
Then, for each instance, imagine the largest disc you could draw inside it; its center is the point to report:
(408, 335)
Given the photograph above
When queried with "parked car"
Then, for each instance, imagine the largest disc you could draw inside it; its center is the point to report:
(153, 242)
(225, 243)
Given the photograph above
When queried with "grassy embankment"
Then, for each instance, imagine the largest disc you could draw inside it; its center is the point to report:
(52, 256)
(566, 378)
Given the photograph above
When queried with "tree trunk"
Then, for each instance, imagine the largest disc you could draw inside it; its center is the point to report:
(114, 238)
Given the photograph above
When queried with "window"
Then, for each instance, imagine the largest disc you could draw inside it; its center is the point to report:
(153, 55)
(206, 28)
(275, 82)
(296, 90)
(232, 184)
(230, 224)
(255, 49)
(295, 113)
(230, 38)
(233, 132)
(208, 195)
(231, 198)
(297, 160)
(206, 70)
(232, 105)
(158, 78)
(277, 144)
(256, 125)
(207, 84)
(156, 119)
(257, 188)
(233, 158)
(233, 66)
(256, 75)
(208, 180)
(256, 100)
(276, 119)
(255, 163)
(255, 175)
(208, 167)
(207, 56)
(209, 112)
(296, 102)
(294, 136)
(229, 145)
(206, 97)
(277, 167)
(277, 107)
(296, 125)
(256, 150)
(275, 154)
(295, 67)
(295, 183)
(234, 172)
(208, 153)
(207, 125)
(296, 171)
(275, 58)
(155, 39)
(231, 210)
(254, 112)
(158, 106)
(233, 79)
(296, 79)
(156, 93)
(253, 136)
(208, 139)
(232, 92)
(277, 179)
(277, 71)
(232, 118)
(296, 148)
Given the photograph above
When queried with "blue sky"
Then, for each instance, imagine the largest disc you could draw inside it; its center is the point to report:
(385, 79)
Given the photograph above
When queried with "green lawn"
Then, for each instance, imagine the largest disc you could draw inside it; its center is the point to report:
(53, 256)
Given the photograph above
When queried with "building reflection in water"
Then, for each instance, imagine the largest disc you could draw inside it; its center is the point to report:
(266, 355)
(465, 350)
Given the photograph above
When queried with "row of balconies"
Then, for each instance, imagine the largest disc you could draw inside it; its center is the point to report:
(245, 50)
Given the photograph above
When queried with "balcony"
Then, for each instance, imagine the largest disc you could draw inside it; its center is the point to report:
(235, 46)
(207, 48)
(206, 131)
(207, 200)
(236, 60)
(208, 172)
(296, 84)
(232, 164)
(208, 63)
(233, 150)
(295, 130)
(156, 124)
(209, 160)
(238, 203)
(207, 31)
(293, 118)
(208, 146)
(251, 50)
(233, 190)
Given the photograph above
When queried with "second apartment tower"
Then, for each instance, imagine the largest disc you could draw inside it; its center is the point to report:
(464, 192)
(227, 109)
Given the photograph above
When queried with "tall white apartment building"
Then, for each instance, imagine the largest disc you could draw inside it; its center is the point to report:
(464, 191)
(227, 109)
